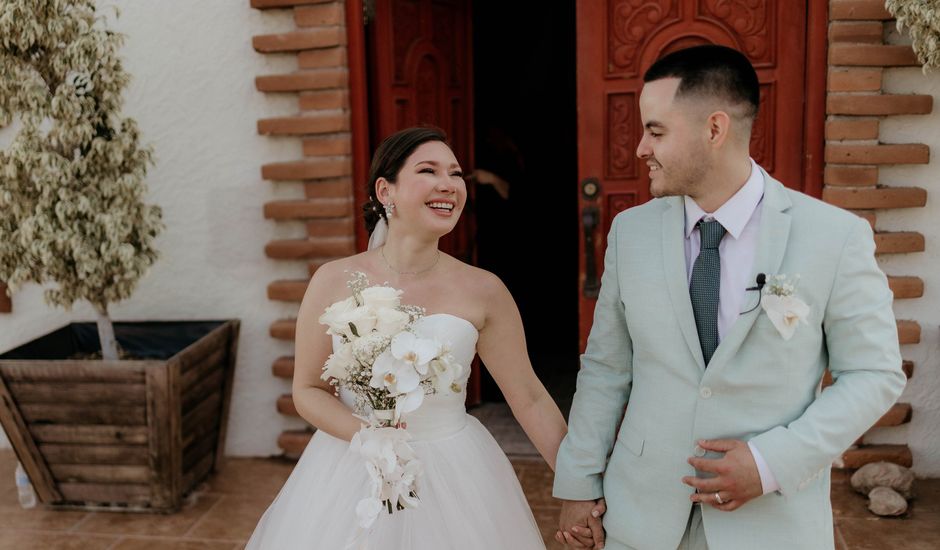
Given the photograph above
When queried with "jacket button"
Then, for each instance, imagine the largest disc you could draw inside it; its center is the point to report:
(705, 392)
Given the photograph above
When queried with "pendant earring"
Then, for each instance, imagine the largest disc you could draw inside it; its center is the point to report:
(389, 209)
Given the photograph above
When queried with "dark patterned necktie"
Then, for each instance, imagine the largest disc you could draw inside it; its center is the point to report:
(704, 287)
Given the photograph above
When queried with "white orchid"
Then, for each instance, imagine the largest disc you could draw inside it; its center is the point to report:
(399, 368)
(784, 309)
(445, 370)
(393, 470)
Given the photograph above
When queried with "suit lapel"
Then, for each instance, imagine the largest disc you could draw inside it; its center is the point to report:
(772, 239)
(676, 274)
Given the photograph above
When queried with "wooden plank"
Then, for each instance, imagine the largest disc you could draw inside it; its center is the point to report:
(201, 429)
(6, 304)
(25, 448)
(83, 414)
(131, 455)
(75, 392)
(200, 371)
(105, 493)
(195, 395)
(234, 331)
(163, 414)
(100, 473)
(198, 472)
(203, 412)
(194, 353)
(89, 434)
(17, 370)
(195, 452)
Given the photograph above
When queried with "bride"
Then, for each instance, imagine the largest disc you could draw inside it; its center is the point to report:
(469, 496)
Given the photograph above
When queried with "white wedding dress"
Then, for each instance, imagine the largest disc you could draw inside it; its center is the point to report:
(470, 496)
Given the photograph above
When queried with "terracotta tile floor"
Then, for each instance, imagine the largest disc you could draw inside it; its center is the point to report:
(225, 511)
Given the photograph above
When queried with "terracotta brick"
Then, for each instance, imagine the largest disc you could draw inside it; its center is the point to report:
(882, 104)
(906, 153)
(852, 128)
(323, 100)
(334, 187)
(867, 215)
(866, 454)
(899, 413)
(870, 55)
(301, 125)
(322, 14)
(323, 58)
(328, 146)
(324, 37)
(6, 304)
(855, 80)
(875, 197)
(906, 287)
(307, 169)
(321, 79)
(909, 332)
(850, 175)
(285, 405)
(300, 249)
(333, 227)
(310, 208)
(900, 242)
(283, 367)
(288, 291)
(853, 10)
(871, 32)
(283, 329)
(293, 442)
(268, 4)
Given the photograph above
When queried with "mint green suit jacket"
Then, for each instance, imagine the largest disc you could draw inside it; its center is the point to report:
(643, 353)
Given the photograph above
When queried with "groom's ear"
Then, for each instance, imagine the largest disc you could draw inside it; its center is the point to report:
(718, 126)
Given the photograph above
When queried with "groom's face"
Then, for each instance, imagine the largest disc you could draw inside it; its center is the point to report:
(674, 140)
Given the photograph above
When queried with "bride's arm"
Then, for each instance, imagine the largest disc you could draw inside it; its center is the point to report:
(502, 348)
(313, 396)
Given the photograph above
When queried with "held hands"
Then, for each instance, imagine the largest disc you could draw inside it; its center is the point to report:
(736, 480)
(580, 523)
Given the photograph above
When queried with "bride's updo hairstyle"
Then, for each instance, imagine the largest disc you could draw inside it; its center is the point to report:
(387, 163)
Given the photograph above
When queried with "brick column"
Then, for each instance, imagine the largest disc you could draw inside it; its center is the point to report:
(855, 107)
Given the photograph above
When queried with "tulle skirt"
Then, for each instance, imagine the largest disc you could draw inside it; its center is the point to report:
(470, 499)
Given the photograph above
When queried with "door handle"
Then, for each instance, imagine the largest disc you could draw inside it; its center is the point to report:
(590, 217)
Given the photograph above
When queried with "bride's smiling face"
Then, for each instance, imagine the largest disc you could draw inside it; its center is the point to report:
(429, 191)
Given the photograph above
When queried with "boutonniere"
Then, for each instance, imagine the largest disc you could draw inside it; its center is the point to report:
(784, 309)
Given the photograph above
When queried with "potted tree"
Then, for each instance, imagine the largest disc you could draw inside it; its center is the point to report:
(98, 413)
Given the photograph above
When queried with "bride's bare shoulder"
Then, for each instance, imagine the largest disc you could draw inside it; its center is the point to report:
(330, 278)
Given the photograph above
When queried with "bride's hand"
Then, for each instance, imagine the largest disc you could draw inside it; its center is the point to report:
(589, 514)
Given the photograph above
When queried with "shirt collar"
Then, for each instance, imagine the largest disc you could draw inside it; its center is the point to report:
(734, 214)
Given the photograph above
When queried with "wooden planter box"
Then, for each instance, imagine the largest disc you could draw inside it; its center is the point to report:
(136, 435)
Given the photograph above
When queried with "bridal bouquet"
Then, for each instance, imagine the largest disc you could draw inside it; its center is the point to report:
(389, 369)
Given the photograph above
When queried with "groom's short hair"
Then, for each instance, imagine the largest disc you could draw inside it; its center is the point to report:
(711, 71)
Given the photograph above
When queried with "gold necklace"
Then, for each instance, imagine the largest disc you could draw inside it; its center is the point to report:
(389, 266)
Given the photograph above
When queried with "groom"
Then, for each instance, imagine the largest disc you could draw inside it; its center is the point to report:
(721, 304)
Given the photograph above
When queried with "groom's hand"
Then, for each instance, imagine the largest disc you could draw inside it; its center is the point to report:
(736, 480)
(580, 523)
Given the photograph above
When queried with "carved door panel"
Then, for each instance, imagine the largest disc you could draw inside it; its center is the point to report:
(617, 41)
(420, 73)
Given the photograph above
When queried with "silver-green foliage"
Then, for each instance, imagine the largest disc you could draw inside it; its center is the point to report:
(72, 188)
(922, 19)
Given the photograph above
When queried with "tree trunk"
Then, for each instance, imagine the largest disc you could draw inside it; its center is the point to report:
(109, 351)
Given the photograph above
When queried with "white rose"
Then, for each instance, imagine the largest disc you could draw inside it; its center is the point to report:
(378, 297)
(339, 363)
(333, 312)
(353, 323)
(390, 321)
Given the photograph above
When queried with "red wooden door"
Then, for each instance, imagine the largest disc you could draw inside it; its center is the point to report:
(421, 73)
(617, 41)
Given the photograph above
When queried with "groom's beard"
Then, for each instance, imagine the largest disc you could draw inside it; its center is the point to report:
(682, 177)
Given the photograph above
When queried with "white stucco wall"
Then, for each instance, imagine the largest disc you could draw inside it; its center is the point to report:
(194, 98)
(923, 390)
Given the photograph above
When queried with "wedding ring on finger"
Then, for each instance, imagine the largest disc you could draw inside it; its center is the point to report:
(718, 498)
